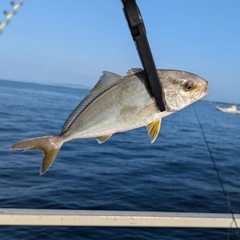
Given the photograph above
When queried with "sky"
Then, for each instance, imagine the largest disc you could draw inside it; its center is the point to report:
(73, 41)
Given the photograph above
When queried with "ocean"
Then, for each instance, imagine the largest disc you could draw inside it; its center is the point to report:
(174, 174)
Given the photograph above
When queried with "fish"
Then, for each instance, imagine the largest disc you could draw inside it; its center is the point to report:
(119, 104)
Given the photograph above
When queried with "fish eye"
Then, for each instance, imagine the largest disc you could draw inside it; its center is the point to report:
(189, 86)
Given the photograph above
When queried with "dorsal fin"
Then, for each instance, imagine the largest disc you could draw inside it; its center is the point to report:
(106, 80)
(133, 71)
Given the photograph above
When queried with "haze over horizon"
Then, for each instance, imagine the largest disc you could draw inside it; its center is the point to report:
(72, 42)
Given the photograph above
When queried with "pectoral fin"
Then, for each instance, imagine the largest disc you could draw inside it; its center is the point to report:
(153, 130)
(103, 139)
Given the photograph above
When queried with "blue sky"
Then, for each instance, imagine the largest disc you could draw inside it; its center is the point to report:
(73, 41)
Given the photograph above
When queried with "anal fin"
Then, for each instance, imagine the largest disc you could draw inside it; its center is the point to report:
(103, 139)
(153, 129)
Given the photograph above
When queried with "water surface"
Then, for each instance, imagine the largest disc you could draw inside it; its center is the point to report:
(174, 174)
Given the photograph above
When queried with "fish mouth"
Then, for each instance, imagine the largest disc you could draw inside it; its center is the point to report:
(205, 91)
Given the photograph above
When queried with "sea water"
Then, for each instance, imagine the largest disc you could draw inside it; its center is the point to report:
(174, 174)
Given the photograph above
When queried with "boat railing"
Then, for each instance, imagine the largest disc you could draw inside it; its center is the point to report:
(47, 217)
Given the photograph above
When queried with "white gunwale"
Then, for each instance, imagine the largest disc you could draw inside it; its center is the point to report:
(48, 217)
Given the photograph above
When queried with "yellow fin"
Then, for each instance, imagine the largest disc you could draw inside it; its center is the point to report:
(103, 139)
(50, 145)
(153, 129)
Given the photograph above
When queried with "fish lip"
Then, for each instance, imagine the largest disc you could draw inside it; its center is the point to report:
(207, 90)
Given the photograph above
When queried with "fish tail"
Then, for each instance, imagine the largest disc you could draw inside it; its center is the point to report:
(50, 145)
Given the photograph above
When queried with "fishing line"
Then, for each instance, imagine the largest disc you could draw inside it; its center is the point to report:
(218, 175)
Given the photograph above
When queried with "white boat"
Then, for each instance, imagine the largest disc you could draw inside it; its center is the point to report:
(232, 109)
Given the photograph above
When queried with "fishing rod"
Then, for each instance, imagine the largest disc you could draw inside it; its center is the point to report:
(138, 31)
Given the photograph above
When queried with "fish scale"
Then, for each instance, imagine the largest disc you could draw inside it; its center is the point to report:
(119, 104)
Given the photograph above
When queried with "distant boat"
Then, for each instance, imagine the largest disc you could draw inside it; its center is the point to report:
(232, 109)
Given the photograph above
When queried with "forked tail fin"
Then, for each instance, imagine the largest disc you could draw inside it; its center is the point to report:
(50, 146)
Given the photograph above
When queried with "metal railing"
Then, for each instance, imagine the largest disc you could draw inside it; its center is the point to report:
(46, 217)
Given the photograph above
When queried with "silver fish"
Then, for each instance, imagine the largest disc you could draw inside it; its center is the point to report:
(118, 104)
